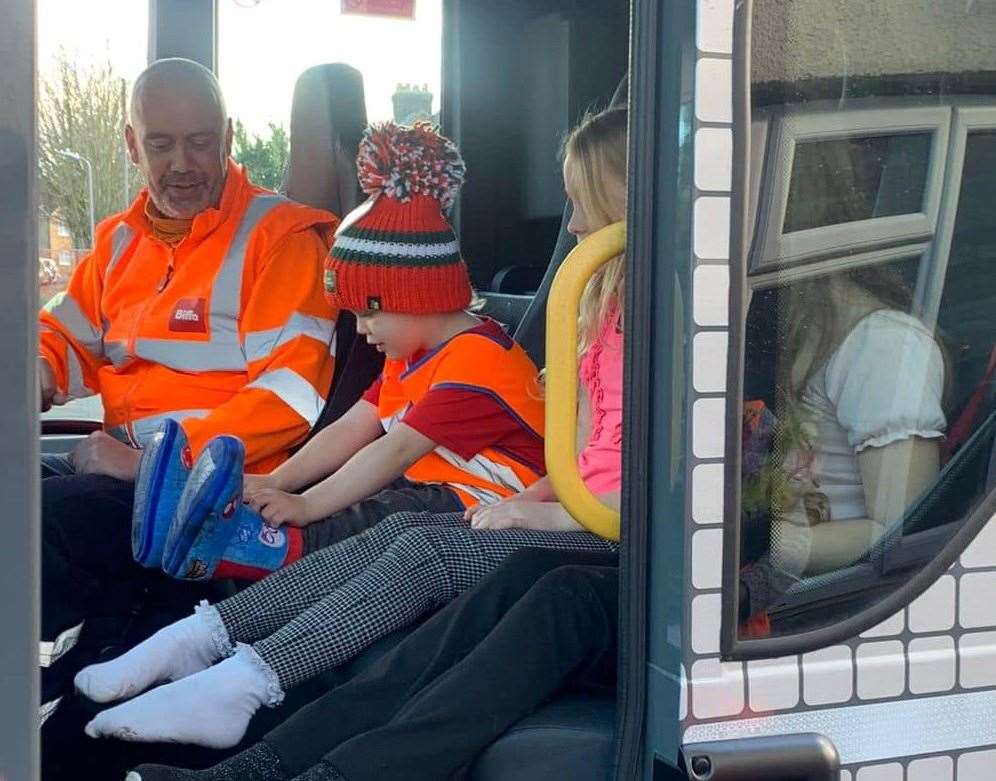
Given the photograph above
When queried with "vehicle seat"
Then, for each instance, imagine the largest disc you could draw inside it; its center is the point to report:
(328, 116)
(571, 737)
(530, 325)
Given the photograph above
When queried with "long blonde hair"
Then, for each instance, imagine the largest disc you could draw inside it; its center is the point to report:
(596, 148)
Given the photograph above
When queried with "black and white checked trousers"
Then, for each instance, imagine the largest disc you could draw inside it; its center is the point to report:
(324, 609)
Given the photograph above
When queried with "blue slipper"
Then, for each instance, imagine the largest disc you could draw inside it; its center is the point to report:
(257, 549)
(162, 476)
(204, 521)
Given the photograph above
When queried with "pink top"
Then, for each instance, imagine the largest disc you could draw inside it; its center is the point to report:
(600, 463)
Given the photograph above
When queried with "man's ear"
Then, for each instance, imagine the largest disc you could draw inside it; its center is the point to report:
(132, 143)
(228, 138)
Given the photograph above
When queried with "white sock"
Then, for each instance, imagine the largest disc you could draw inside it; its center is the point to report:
(211, 708)
(183, 648)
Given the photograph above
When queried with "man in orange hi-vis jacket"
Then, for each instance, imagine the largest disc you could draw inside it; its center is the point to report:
(203, 302)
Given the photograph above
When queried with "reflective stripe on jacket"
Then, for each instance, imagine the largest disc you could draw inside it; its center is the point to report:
(229, 331)
(472, 361)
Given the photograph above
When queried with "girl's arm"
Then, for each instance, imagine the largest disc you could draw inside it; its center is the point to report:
(330, 448)
(893, 477)
(543, 516)
(584, 421)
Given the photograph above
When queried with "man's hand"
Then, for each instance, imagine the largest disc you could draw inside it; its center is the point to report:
(102, 454)
(49, 390)
(280, 507)
(510, 514)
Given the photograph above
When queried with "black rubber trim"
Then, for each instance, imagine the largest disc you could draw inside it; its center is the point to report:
(69, 427)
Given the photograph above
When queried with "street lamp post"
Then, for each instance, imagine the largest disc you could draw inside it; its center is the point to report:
(124, 145)
(89, 185)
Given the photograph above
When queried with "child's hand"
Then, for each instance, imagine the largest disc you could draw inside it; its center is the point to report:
(253, 484)
(279, 507)
(543, 516)
(470, 512)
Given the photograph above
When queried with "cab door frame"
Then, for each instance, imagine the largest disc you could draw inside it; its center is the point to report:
(19, 476)
(658, 317)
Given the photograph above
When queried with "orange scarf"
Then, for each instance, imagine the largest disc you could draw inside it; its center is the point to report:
(167, 229)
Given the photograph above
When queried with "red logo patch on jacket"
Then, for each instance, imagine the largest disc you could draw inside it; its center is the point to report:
(188, 316)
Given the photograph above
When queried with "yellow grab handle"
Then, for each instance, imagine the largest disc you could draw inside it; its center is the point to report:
(562, 379)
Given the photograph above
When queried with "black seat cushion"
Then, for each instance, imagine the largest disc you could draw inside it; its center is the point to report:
(572, 737)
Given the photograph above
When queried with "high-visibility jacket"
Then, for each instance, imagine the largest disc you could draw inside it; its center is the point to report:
(470, 361)
(229, 332)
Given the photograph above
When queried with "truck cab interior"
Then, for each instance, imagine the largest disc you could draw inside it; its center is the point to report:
(516, 77)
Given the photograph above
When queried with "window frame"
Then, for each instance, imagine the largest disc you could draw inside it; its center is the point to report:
(750, 211)
(967, 118)
(822, 122)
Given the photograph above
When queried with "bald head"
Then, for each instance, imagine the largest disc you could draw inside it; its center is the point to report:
(177, 77)
(180, 136)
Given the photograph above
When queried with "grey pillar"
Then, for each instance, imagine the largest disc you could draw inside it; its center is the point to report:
(184, 28)
(19, 552)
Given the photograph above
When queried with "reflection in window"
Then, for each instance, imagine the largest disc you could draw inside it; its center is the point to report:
(868, 435)
(969, 299)
(850, 436)
(869, 429)
(858, 178)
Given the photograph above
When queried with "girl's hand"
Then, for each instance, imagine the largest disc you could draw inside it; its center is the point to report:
(253, 484)
(279, 507)
(542, 516)
(470, 512)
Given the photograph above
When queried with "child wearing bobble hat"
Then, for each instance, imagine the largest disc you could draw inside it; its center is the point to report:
(454, 420)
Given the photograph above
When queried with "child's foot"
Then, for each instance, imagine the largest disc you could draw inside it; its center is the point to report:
(204, 521)
(257, 763)
(174, 652)
(210, 709)
(162, 475)
(257, 549)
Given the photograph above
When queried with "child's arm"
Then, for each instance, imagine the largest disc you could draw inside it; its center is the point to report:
(330, 448)
(542, 489)
(893, 477)
(363, 475)
(543, 516)
(584, 421)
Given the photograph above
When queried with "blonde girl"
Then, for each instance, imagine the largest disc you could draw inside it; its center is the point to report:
(595, 183)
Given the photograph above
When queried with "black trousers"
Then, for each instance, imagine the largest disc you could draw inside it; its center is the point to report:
(92, 590)
(543, 619)
(398, 496)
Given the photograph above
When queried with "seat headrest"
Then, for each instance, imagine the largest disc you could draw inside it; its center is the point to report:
(328, 115)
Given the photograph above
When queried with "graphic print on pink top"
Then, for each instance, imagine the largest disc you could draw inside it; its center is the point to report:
(600, 463)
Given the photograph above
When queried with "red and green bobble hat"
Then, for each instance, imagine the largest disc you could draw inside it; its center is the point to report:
(396, 252)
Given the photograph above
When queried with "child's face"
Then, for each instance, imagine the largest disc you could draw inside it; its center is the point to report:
(582, 224)
(397, 336)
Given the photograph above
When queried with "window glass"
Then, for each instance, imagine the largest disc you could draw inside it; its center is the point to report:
(869, 426)
(88, 55)
(966, 311)
(264, 45)
(850, 179)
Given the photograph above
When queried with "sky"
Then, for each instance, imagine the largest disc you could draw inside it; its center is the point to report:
(263, 46)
